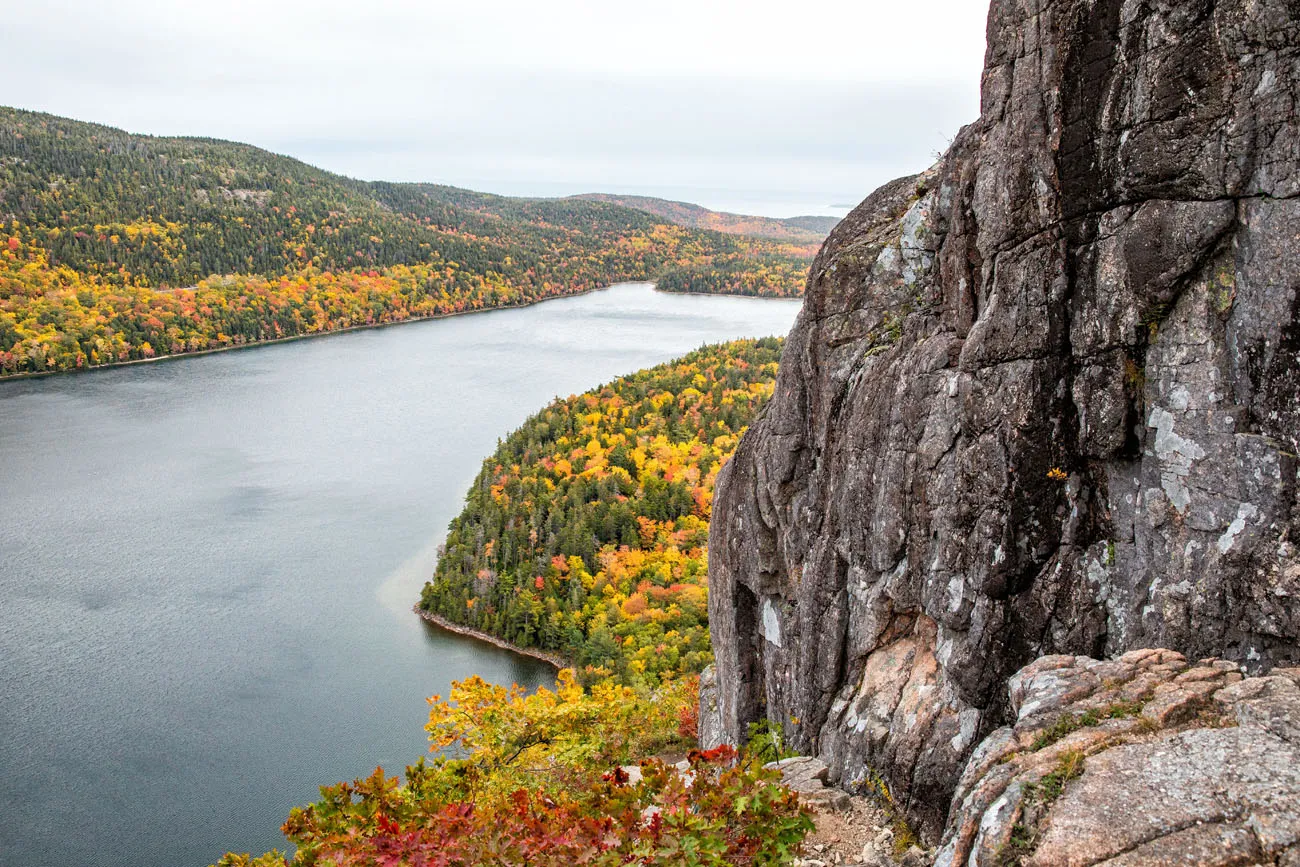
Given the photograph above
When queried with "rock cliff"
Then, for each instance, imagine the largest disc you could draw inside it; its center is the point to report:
(1041, 399)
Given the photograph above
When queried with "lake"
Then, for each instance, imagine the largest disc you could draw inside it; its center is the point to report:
(207, 565)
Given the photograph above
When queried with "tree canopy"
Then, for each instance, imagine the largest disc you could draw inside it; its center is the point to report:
(116, 247)
(586, 533)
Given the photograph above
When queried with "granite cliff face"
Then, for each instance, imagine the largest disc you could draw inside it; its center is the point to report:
(1042, 399)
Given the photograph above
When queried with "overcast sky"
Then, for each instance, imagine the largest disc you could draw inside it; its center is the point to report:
(761, 106)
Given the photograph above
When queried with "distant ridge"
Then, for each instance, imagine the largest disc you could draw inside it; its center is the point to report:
(799, 229)
(120, 247)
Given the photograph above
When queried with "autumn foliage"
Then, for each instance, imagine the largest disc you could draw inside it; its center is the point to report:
(121, 248)
(586, 533)
(537, 780)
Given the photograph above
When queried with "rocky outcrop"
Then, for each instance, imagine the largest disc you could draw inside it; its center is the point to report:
(1143, 760)
(710, 732)
(807, 776)
(1041, 399)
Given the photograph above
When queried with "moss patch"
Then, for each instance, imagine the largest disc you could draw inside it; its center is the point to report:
(1073, 722)
(1037, 799)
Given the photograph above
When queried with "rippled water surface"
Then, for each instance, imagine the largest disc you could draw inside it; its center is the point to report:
(207, 565)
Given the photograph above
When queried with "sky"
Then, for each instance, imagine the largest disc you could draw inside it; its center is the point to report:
(754, 106)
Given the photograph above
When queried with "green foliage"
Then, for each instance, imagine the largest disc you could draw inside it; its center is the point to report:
(765, 275)
(110, 243)
(766, 742)
(585, 534)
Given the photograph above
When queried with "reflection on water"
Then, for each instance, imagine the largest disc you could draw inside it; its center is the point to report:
(207, 565)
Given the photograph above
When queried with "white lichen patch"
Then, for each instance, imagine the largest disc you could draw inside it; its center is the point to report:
(956, 593)
(1266, 82)
(771, 623)
(1176, 456)
(1245, 512)
(968, 724)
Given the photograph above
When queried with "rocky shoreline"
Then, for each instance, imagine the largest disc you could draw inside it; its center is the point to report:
(443, 623)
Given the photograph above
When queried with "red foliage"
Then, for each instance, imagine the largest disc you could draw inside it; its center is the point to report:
(688, 716)
(688, 722)
(618, 777)
(725, 755)
(727, 814)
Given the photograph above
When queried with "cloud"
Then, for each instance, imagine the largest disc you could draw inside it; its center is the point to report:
(566, 95)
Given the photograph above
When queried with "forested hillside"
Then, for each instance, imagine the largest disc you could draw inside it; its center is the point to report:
(807, 229)
(115, 247)
(586, 532)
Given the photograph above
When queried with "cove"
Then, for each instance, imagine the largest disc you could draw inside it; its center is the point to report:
(207, 565)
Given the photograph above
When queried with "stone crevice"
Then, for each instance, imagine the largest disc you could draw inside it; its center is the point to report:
(961, 470)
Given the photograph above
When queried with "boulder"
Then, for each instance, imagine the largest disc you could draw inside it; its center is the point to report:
(1095, 770)
(807, 776)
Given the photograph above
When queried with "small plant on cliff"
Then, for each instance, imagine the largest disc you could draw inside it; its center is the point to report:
(767, 742)
(1073, 722)
(904, 836)
(1035, 801)
(1068, 767)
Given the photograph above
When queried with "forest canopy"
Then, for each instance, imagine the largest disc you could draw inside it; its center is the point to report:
(586, 533)
(115, 247)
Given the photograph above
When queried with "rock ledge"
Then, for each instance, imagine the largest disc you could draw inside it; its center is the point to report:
(1144, 760)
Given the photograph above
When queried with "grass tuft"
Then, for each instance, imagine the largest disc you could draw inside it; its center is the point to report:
(1071, 723)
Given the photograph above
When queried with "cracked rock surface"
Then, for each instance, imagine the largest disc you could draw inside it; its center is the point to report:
(1041, 399)
(807, 776)
(1155, 762)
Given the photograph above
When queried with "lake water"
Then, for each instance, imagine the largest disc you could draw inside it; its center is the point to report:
(207, 565)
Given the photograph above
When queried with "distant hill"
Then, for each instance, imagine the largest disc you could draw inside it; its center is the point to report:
(252, 246)
(798, 229)
(813, 223)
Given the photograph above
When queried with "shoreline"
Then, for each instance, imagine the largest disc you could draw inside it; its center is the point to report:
(798, 298)
(36, 374)
(443, 623)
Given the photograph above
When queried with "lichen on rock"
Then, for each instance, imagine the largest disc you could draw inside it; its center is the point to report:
(1170, 763)
(1042, 399)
